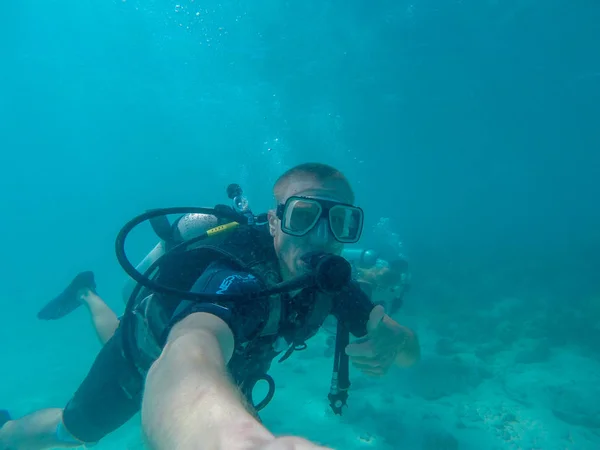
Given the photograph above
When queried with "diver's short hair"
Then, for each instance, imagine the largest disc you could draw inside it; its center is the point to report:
(318, 171)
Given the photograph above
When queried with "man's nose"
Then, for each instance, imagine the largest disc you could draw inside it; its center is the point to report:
(321, 234)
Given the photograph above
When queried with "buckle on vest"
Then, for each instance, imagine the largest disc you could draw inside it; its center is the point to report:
(294, 347)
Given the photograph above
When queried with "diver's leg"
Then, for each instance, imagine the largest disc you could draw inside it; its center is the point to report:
(108, 397)
(82, 291)
(68, 300)
(35, 431)
(104, 319)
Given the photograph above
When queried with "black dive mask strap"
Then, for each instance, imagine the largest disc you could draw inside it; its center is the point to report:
(340, 379)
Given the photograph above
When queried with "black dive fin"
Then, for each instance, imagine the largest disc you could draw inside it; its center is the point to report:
(67, 301)
(4, 417)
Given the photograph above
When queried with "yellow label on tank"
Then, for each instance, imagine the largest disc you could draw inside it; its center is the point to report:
(221, 228)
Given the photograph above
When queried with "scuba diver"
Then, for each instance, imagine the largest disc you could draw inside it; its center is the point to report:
(207, 317)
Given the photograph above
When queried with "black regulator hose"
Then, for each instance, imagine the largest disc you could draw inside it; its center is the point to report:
(143, 279)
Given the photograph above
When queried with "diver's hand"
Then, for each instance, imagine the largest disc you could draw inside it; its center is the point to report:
(292, 443)
(386, 342)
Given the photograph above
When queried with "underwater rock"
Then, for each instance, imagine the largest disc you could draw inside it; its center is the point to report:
(300, 369)
(518, 389)
(538, 354)
(489, 349)
(435, 437)
(507, 332)
(329, 347)
(446, 347)
(535, 328)
(439, 440)
(465, 328)
(500, 420)
(574, 402)
(578, 419)
(362, 382)
(480, 328)
(360, 411)
(576, 405)
(437, 377)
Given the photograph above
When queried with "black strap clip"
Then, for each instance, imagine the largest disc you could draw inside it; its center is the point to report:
(294, 347)
(271, 392)
(337, 399)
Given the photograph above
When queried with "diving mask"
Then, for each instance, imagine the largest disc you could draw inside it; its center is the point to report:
(299, 215)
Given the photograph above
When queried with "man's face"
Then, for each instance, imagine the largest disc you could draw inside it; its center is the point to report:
(291, 249)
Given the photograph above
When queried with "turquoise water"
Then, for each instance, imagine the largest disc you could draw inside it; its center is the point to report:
(472, 125)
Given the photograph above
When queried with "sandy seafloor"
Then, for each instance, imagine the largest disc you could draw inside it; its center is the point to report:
(506, 377)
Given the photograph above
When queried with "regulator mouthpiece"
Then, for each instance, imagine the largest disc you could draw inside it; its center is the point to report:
(331, 273)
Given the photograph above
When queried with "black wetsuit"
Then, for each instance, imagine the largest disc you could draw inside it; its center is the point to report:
(111, 393)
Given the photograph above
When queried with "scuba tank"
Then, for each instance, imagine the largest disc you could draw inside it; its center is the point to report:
(185, 228)
(362, 257)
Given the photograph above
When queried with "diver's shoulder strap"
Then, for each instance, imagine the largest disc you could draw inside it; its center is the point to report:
(251, 250)
(321, 309)
(272, 326)
(258, 257)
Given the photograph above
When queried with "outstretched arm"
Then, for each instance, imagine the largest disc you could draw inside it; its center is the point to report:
(189, 402)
